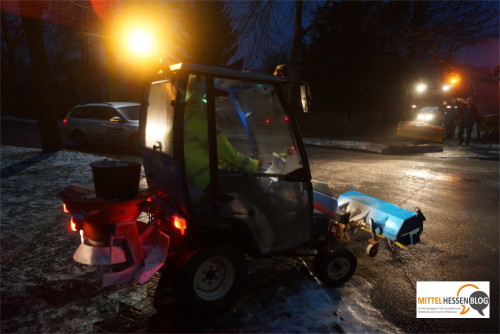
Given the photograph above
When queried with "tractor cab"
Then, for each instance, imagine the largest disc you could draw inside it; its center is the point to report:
(222, 150)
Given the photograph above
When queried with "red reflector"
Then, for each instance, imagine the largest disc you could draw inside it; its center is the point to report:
(286, 118)
(268, 121)
(65, 121)
(72, 225)
(179, 223)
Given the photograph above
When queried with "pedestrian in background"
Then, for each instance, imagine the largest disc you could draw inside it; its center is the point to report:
(466, 117)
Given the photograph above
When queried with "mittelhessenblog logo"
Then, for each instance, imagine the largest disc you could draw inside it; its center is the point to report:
(453, 299)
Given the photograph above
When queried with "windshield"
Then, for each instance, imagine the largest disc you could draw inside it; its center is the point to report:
(131, 112)
(252, 117)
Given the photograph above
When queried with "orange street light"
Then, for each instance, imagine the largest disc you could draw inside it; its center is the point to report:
(454, 79)
(140, 42)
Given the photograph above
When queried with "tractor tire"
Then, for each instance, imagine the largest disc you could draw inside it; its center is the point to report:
(212, 279)
(334, 264)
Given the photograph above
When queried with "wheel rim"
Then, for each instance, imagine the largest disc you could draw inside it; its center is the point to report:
(338, 268)
(214, 278)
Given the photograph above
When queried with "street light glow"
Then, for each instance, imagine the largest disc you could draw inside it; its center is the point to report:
(421, 87)
(455, 79)
(140, 42)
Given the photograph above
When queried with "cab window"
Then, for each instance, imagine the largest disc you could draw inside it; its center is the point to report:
(159, 120)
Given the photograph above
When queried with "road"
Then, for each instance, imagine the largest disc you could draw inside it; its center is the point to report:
(460, 199)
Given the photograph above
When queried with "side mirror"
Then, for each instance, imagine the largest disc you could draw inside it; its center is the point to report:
(305, 97)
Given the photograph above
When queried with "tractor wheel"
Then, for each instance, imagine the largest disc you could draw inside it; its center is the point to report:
(334, 264)
(372, 250)
(213, 279)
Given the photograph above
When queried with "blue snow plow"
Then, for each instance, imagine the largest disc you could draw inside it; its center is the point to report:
(354, 211)
(382, 219)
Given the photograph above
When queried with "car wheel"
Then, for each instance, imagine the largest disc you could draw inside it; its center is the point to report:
(79, 139)
(334, 264)
(213, 279)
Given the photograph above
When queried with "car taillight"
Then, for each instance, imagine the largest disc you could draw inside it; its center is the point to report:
(179, 223)
(65, 121)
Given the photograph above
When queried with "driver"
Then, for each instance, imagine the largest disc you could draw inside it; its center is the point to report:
(196, 147)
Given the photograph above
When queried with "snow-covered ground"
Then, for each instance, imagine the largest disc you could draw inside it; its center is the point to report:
(313, 308)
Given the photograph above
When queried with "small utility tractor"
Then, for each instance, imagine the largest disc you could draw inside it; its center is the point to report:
(227, 178)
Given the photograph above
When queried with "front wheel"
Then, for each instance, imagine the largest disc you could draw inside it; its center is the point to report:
(334, 264)
(213, 279)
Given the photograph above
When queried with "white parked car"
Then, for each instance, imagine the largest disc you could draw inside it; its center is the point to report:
(114, 123)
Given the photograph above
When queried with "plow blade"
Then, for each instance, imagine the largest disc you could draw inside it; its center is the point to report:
(421, 131)
(399, 225)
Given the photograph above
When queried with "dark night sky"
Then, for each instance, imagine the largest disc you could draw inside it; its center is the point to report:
(486, 55)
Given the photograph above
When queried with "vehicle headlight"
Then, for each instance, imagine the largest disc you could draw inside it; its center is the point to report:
(425, 117)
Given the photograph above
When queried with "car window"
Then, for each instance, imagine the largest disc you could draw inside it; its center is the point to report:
(101, 113)
(79, 112)
(108, 113)
(131, 112)
(93, 112)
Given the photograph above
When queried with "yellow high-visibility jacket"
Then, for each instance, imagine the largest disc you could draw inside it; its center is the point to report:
(196, 150)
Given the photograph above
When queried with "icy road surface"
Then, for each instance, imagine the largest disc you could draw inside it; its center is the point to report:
(44, 290)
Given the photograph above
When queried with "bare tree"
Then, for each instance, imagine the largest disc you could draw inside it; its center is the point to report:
(47, 120)
(441, 28)
(207, 27)
(267, 26)
(11, 38)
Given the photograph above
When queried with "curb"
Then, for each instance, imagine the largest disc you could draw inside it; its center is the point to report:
(482, 151)
(373, 147)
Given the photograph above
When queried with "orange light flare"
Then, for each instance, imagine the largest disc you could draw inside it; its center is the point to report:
(179, 223)
(73, 225)
(65, 209)
(454, 79)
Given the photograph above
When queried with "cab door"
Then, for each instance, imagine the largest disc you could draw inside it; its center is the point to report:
(263, 179)
(157, 138)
